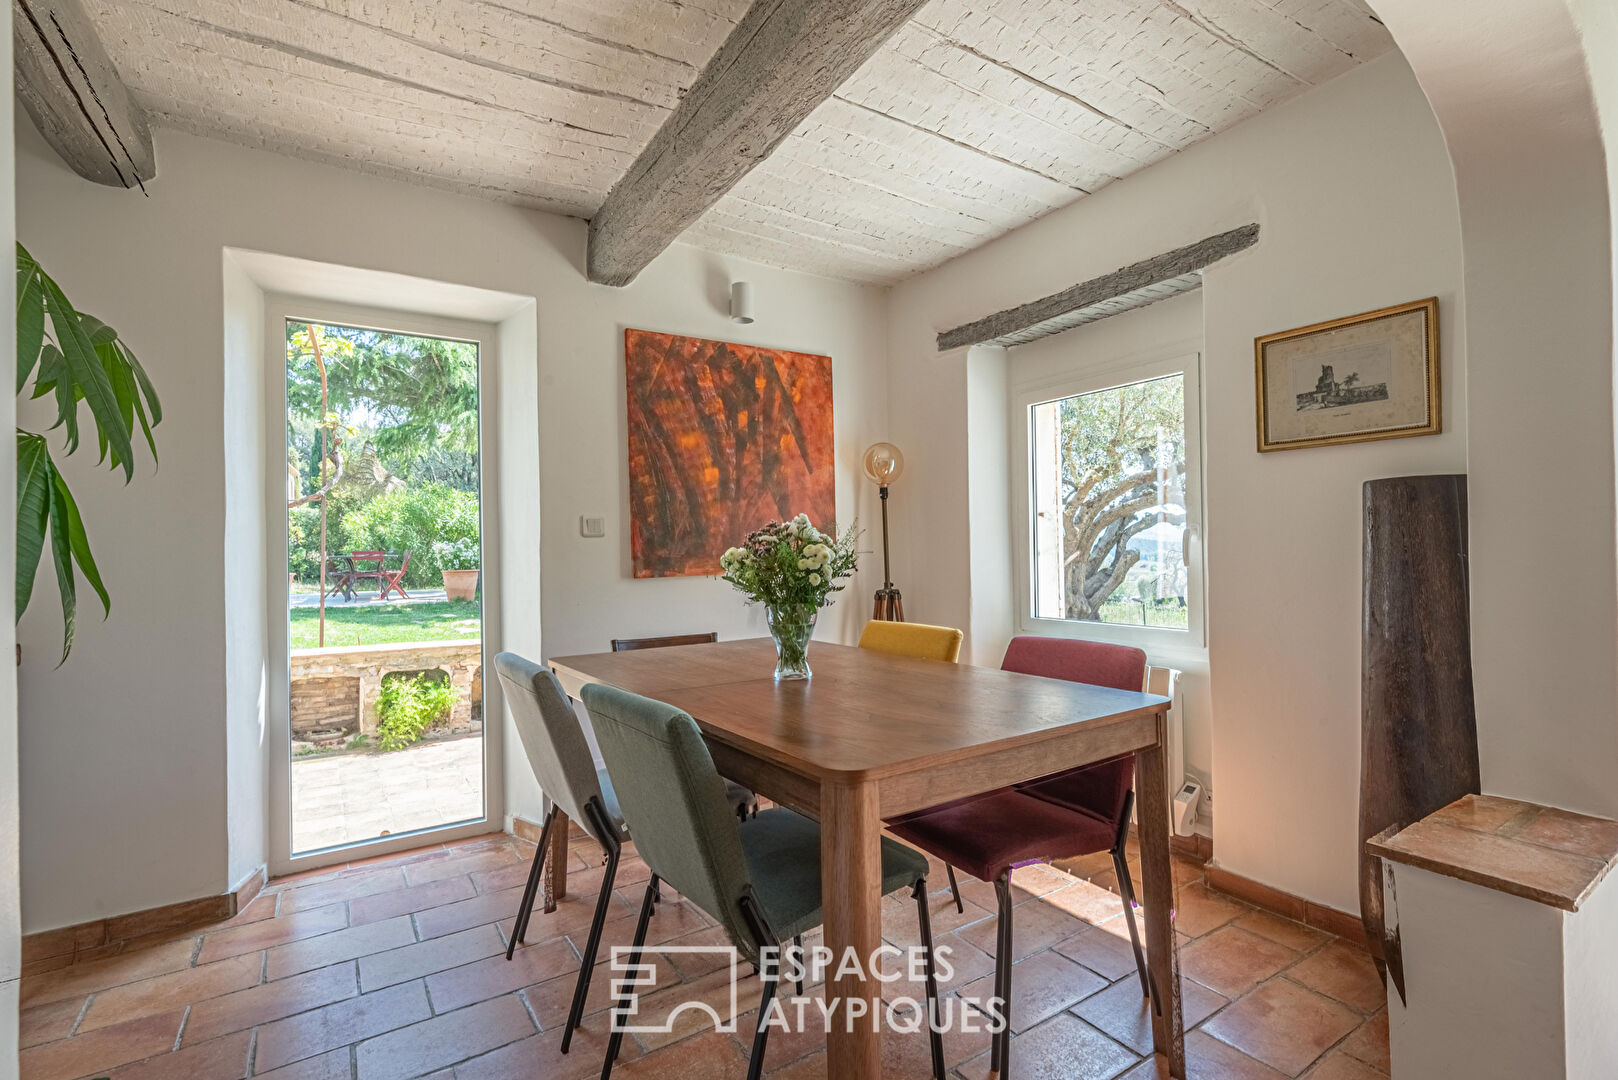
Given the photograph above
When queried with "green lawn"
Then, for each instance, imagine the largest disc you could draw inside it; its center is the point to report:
(1130, 612)
(381, 624)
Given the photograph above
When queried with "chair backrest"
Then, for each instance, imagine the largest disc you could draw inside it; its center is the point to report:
(551, 735)
(404, 563)
(1121, 667)
(674, 802)
(912, 639)
(1101, 788)
(631, 644)
(367, 554)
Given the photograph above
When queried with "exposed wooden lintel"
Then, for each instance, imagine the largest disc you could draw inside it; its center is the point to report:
(1133, 286)
(780, 61)
(74, 95)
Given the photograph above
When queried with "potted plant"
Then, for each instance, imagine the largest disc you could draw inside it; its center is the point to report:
(792, 568)
(458, 561)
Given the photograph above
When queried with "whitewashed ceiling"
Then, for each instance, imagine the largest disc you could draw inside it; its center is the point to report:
(978, 116)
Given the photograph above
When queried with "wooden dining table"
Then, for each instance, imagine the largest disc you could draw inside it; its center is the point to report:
(871, 736)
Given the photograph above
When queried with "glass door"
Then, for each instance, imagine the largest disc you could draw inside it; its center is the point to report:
(384, 606)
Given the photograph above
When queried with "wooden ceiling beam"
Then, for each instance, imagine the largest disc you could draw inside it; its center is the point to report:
(780, 61)
(1132, 286)
(73, 93)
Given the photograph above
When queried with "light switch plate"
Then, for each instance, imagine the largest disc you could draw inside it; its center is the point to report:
(592, 527)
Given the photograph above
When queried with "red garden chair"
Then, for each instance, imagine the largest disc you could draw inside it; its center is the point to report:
(390, 578)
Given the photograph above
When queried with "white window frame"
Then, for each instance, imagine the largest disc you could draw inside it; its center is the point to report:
(1161, 643)
(278, 309)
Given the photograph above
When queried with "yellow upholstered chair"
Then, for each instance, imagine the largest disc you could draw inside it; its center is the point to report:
(927, 643)
(912, 639)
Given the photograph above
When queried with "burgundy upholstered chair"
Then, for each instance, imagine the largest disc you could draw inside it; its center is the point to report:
(1073, 813)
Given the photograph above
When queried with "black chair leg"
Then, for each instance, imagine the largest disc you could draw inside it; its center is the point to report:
(621, 1006)
(797, 943)
(934, 1021)
(1126, 889)
(761, 1034)
(592, 944)
(520, 928)
(955, 888)
(1001, 1055)
(768, 944)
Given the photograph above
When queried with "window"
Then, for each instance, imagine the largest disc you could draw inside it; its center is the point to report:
(1113, 505)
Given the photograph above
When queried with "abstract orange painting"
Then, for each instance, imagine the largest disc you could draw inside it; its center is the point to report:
(722, 439)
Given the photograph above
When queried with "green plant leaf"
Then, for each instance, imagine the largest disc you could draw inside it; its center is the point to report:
(79, 541)
(62, 557)
(122, 381)
(140, 395)
(34, 476)
(148, 391)
(100, 333)
(91, 378)
(30, 315)
(52, 369)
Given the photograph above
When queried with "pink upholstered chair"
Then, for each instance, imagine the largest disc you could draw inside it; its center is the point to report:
(1078, 812)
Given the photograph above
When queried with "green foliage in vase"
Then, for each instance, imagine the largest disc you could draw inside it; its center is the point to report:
(408, 707)
(791, 564)
(72, 357)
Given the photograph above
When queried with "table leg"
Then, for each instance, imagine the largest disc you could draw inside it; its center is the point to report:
(851, 898)
(1157, 886)
(556, 864)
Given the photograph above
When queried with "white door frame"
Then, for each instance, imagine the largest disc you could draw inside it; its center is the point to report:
(277, 310)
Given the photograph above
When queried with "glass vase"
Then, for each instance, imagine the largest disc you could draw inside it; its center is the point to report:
(791, 626)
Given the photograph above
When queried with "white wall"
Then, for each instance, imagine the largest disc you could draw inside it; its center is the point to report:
(246, 552)
(1508, 81)
(1354, 191)
(10, 892)
(125, 751)
(1484, 978)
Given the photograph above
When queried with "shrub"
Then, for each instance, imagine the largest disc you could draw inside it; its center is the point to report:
(303, 541)
(414, 518)
(408, 706)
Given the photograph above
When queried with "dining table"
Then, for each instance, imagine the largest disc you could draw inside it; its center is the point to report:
(870, 736)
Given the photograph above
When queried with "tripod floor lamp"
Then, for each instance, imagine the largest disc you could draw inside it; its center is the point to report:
(883, 464)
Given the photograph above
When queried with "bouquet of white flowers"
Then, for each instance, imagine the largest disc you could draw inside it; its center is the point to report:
(792, 568)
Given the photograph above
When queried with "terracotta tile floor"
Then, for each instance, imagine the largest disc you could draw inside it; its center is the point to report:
(393, 968)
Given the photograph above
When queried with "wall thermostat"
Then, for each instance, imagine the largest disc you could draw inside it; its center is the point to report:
(1185, 808)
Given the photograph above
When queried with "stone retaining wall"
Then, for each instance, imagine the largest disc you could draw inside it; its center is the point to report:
(337, 688)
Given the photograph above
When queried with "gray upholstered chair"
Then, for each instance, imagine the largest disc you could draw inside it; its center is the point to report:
(560, 757)
(760, 879)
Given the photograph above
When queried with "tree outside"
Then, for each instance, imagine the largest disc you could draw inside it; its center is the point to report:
(397, 436)
(1120, 464)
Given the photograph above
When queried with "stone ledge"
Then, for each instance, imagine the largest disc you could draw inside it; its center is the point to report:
(1550, 856)
(384, 650)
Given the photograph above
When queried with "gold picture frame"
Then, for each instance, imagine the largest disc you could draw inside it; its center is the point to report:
(1390, 389)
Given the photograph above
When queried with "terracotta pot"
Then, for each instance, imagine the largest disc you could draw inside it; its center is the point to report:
(460, 584)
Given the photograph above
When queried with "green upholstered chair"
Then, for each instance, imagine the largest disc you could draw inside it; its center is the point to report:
(759, 879)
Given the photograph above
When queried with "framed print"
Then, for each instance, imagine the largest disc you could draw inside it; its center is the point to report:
(1370, 376)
